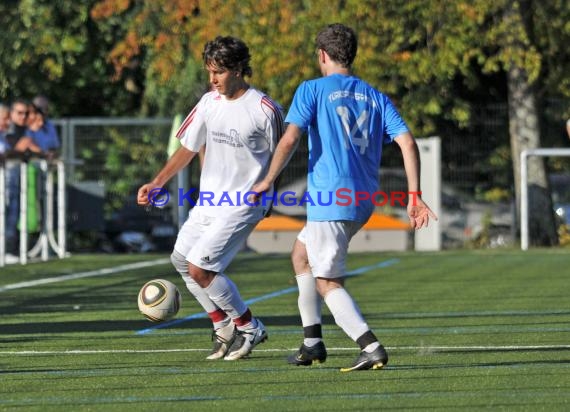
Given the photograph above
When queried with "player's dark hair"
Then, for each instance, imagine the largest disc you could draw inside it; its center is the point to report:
(228, 53)
(340, 43)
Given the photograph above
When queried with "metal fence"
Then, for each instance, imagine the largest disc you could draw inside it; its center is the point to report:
(107, 159)
(41, 217)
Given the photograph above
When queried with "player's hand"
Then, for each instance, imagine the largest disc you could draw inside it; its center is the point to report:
(259, 188)
(419, 213)
(143, 195)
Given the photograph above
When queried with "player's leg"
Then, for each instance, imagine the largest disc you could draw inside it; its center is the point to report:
(208, 258)
(327, 247)
(223, 333)
(309, 301)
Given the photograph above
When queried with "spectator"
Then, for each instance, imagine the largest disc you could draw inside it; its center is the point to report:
(17, 135)
(42, 104)
(41, 130)
(46, 137)
(18, 142)
(4, 125)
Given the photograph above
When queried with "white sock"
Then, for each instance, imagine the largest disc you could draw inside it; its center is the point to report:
(345, 312)
(309, 300)
(310, 342)
(310, 303)
(200, 294)
(372, 347)
(222, 324)
(224, 293)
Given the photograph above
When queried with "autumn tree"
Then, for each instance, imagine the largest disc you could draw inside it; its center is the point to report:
(55, 48)
(167, 37)
(420, 52)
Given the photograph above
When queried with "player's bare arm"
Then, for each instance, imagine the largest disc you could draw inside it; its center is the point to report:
(419, 212)
(283, 152)
(180, 159)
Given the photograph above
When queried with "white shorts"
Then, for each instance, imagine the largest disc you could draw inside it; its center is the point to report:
(211, 243)
(327, 246)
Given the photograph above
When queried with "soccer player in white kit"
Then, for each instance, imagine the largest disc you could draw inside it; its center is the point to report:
(239, 127)
(347, 121)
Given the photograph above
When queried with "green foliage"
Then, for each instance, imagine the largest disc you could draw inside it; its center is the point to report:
(497, 194)
(418, 52)
(57, 50)
(129, 158)
(145, 56)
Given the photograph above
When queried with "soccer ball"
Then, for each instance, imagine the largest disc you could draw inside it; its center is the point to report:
(159, 300)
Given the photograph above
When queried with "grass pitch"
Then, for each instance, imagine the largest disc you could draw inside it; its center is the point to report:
(465, 330)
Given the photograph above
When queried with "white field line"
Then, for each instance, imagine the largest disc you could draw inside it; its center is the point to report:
(91, 273)
(490, 348)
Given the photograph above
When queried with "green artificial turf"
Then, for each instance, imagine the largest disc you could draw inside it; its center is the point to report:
(466, 330)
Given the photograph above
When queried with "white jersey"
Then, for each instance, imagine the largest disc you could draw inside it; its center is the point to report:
(240, 137)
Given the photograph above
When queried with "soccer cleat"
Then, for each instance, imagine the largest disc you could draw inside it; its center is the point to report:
(374, 360)
(223, 339)
(245, 341)
(308, 355)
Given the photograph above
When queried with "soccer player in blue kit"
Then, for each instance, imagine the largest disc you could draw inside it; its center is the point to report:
(347, 122)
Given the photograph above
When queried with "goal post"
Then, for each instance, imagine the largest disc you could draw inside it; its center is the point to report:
(525, 154)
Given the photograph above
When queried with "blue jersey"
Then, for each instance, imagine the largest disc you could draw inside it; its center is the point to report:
(347, 121)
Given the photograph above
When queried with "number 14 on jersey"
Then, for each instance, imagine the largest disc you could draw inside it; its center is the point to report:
(358, 133)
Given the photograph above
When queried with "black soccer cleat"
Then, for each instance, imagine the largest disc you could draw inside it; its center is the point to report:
(307, 355)
(374, 360)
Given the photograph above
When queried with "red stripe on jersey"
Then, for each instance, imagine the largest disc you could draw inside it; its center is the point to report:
(185, 124)
(278, 115)
(269, 103)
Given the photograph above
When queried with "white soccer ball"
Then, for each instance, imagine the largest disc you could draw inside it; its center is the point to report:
(159, 300)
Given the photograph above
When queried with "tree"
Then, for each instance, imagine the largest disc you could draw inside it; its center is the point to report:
(167, 37)
(428, 55)
(522, 63)
(56, 49)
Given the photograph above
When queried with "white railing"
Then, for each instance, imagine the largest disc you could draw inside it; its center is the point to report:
(525, 154)
(50, 237)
